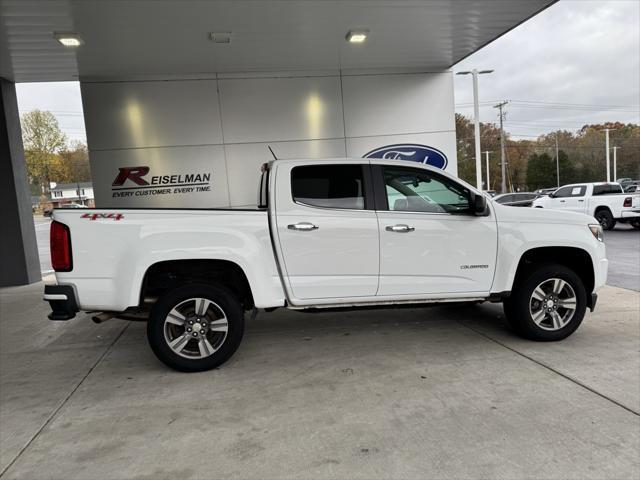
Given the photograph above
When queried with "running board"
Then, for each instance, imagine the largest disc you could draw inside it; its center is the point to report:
(386, 303)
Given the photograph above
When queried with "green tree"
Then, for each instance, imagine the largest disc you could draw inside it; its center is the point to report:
(568, 171)
(541, 172)
(42, 139)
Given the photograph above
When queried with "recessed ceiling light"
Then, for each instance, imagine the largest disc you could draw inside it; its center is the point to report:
(357, 36)
(220, 37)
(68, 39)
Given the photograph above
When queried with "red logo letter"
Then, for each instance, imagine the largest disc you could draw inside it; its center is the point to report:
(134, 174)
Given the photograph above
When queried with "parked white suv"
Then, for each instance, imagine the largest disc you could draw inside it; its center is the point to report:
(326, 234)
(606, 202)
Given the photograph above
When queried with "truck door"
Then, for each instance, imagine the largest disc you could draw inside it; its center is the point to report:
(327, 229)
(576, 201)
(561, 199)
(430, 242)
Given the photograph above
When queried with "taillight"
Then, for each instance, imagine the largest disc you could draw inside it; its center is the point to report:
(60, 247)
(627, 202)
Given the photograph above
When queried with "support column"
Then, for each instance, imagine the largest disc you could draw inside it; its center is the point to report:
(19, 261)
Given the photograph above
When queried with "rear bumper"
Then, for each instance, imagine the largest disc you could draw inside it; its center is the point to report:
(631, 214)
(62, 300)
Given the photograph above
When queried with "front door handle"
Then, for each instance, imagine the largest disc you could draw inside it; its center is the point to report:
(581, 200)
(302, 226)
(562, 201)
(400, 228)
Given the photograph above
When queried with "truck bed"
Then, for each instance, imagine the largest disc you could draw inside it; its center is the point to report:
(113, 248)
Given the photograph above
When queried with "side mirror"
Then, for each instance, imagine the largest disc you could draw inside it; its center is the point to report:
(552, 195)
(479, 206)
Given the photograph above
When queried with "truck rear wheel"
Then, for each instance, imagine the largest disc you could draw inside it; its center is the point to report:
(195, 327)
(605, 218)
(548, 304)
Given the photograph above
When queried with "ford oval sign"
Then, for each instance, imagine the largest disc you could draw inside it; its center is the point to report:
(412, 152)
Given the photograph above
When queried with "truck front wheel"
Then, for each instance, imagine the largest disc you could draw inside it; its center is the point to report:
(547, 304)
(195, 327)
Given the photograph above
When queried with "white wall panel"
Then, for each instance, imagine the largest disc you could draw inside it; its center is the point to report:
(443, 141)
(271, 109)
(244, 161)
(403, 103)
(224, 127)
(151, 114)
(165, 161)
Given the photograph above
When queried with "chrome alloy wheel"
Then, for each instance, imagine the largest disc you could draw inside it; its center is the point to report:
(552, 304)
(196, 328)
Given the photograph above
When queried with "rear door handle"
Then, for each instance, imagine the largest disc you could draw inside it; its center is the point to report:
(302, 226)
(562, 201)
(400, 228)
(581, 200)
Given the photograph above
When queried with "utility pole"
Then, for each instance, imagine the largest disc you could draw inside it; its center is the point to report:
(606, 133)
(557, 162)
(486, 157)
(476, 114)
(503, 156)
(615, 166)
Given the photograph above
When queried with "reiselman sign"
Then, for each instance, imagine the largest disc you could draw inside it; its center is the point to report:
(413, 152)
(136, 182)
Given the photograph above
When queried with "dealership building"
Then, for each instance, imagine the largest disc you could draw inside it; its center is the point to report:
(182, 99)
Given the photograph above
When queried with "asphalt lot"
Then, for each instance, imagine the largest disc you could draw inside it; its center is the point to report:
(440, 392)
(623, 251)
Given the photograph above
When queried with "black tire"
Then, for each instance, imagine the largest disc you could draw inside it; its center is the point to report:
(605, 218)
(223, 301)
(517, 307)
(635, 224)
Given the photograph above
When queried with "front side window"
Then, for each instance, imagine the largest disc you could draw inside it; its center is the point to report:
(413, 190)
(563, 192)
(329, 186)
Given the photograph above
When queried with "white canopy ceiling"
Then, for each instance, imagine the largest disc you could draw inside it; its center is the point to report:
(127, 39)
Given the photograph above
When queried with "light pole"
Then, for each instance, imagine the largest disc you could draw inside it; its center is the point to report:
(615, 166)
(606, 132)
(476, 115)
(486, 157)
(557, 162)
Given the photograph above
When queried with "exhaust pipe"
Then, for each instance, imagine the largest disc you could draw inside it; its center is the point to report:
(102, 317)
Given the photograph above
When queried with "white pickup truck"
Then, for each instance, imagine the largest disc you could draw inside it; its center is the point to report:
(327, 234)
(607, 202)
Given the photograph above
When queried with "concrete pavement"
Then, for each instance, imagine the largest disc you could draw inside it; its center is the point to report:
(442, 392)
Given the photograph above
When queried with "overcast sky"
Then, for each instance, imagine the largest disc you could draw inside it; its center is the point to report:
(577, 62)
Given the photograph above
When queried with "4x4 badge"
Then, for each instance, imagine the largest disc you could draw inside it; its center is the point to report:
(95, 216)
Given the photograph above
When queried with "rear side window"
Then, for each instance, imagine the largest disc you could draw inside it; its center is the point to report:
(578, 191)
(329, 186)
(607, 188)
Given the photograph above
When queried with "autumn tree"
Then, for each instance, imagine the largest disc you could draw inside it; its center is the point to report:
(465, 149)
(42, 139)
(71, 165)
